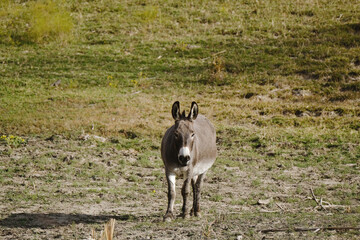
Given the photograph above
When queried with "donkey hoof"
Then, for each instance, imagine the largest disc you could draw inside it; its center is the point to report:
(168, 217)
(197, 214)
(192, 212)
(185, 215)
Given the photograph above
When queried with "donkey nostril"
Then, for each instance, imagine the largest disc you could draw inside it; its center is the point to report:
(184, 159)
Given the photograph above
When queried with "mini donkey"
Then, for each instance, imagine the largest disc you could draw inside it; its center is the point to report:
(188, 148)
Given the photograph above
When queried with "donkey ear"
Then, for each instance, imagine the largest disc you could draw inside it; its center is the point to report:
(193, 111)
(175, 111)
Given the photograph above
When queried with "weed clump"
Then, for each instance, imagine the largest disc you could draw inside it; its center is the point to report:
(34, 22)
(148, 15)
(217, 70)
(13, 141)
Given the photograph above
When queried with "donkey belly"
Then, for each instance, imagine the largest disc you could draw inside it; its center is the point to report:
(202, 167)
(181, 171)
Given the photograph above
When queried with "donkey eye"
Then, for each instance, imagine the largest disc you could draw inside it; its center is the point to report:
(176, 134)
(192, 135)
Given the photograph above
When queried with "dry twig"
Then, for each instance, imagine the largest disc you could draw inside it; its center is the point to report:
(299, 229)
(279, 206)
(215, 54)
(316, 200)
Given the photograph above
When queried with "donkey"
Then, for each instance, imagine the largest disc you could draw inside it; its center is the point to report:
(188, 149)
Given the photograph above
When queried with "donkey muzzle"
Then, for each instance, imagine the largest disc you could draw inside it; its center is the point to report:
(184, 156)
(184, 160)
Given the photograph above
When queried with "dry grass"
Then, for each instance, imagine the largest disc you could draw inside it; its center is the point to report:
(107, 233)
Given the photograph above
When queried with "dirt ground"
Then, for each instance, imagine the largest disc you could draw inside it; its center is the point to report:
(58, 188)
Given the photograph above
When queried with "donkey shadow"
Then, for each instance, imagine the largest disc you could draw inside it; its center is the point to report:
(53, 220)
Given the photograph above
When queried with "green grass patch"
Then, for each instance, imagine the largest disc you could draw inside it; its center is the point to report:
(34, 22)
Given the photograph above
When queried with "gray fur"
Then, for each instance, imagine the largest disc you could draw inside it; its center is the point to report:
(202, 148)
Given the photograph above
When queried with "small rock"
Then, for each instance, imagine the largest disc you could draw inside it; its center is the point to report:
(68, 159)
(301, 93)
(57, 83)
(97, 138)
(264, 201)
(263, 98)
(189, 46)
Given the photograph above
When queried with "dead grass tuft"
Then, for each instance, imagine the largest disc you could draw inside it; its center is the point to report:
(107, 233)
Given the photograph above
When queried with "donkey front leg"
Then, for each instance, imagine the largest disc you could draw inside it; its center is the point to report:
(185, 194)
(193, 184)
(171, 197)
(197, 184)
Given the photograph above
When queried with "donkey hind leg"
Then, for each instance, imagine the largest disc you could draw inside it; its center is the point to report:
(171, 197)
(197, 184)
(185, 194)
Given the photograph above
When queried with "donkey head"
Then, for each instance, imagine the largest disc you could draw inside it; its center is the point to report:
(184, 134)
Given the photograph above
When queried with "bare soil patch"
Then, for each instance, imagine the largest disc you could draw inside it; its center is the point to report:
(62, 188)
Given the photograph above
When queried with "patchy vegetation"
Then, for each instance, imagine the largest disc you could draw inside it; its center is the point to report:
(34, 22)
(56, 187)
(86, 91)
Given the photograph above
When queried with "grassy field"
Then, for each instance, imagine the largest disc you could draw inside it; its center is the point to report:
(86, 89)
